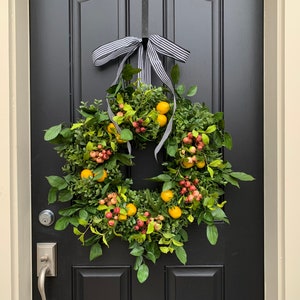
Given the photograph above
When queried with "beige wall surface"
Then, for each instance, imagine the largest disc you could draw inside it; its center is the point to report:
(282, 106)
(15, 250)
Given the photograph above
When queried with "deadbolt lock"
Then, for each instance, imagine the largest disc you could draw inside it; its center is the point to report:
(46, 217)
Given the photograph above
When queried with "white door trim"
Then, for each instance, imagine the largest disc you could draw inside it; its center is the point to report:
(282, 95)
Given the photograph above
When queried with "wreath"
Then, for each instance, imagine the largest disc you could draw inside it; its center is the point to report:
(102, 204)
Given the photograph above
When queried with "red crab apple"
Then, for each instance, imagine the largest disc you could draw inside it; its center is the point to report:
(108, 215)
(111, 222)
(140, 223)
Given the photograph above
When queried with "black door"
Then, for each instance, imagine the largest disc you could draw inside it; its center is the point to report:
(225, 40)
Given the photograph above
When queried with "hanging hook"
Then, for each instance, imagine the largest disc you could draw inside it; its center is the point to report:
(145, 17)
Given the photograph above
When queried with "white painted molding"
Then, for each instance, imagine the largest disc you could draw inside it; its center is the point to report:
(282, 100)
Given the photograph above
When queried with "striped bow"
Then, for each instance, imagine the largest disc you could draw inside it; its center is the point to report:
(127, 46)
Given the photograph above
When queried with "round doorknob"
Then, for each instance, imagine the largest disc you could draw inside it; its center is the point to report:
(46, 217)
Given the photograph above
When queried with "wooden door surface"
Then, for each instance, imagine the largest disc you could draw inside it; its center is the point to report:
(226, 63)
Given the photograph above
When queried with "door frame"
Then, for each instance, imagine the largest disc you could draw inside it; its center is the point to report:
(281, 89)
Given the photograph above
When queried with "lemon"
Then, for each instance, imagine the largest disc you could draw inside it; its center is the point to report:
(200, 164)
(162, 120)
(111, 128)
(131, 209)
(119, 140)
(122, 217)
(163, 107)
(166, 195)
(175, 212)
(103, 177)
(86, 173)
(187, 164)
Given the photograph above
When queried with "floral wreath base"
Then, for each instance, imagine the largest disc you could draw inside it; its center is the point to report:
(102, 203)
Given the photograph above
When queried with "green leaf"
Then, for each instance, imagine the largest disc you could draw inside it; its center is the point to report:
(177, 243)
(83, 222)
(125, 159)
(205, 138)
(211, 129)
(76, 125)
(52, 132)
(64, 196)
(227, 140)
(137, 251)
(96, 251)
(90, 146)
(150, 228)
(180, 89)
(151, 256)
(181, 255)
(74, 221)
(83, 214)
(184, 235)
(172, 147)
(231, 180)
(164, 249)
(210, 171)
(62, 223)
(68, 211)
(57, 182)
(129, 71)
(218, 213)
(175, 74)
(143, 273)
(242, 176)
(192, 91)
(168, 235)
(168, 185)
(190, 218)
(162, 178)
(138, 262)
(212, 234)
(216, 163)
(76, 231)
(52, 195)
(126, 135)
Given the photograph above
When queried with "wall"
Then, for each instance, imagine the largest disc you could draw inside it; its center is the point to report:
(282, 103)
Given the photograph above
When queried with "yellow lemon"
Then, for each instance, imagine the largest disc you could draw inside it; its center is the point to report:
(200, 164)
(111, 128)
(175, 212)
(131, 209)
(122, 217)
(162, 120)
(166, 195)
(163, 107)
(119, 140)
(187, 164)
(86, 173)
(103, 177)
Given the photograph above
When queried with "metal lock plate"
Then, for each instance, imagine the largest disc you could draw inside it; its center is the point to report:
(46, 254)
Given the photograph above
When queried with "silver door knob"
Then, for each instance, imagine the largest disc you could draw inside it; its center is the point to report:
(46, 217)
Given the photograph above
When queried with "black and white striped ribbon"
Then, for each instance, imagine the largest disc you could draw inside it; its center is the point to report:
(127, 46)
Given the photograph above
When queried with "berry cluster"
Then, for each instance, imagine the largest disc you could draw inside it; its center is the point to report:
(138, 125)
(100, 155)
(142, 222)
(112, 216)
(111, 199)
(120, 113)
(197, 141)
(189, 190)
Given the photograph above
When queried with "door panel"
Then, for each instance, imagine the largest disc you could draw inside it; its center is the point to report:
(225, 40)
